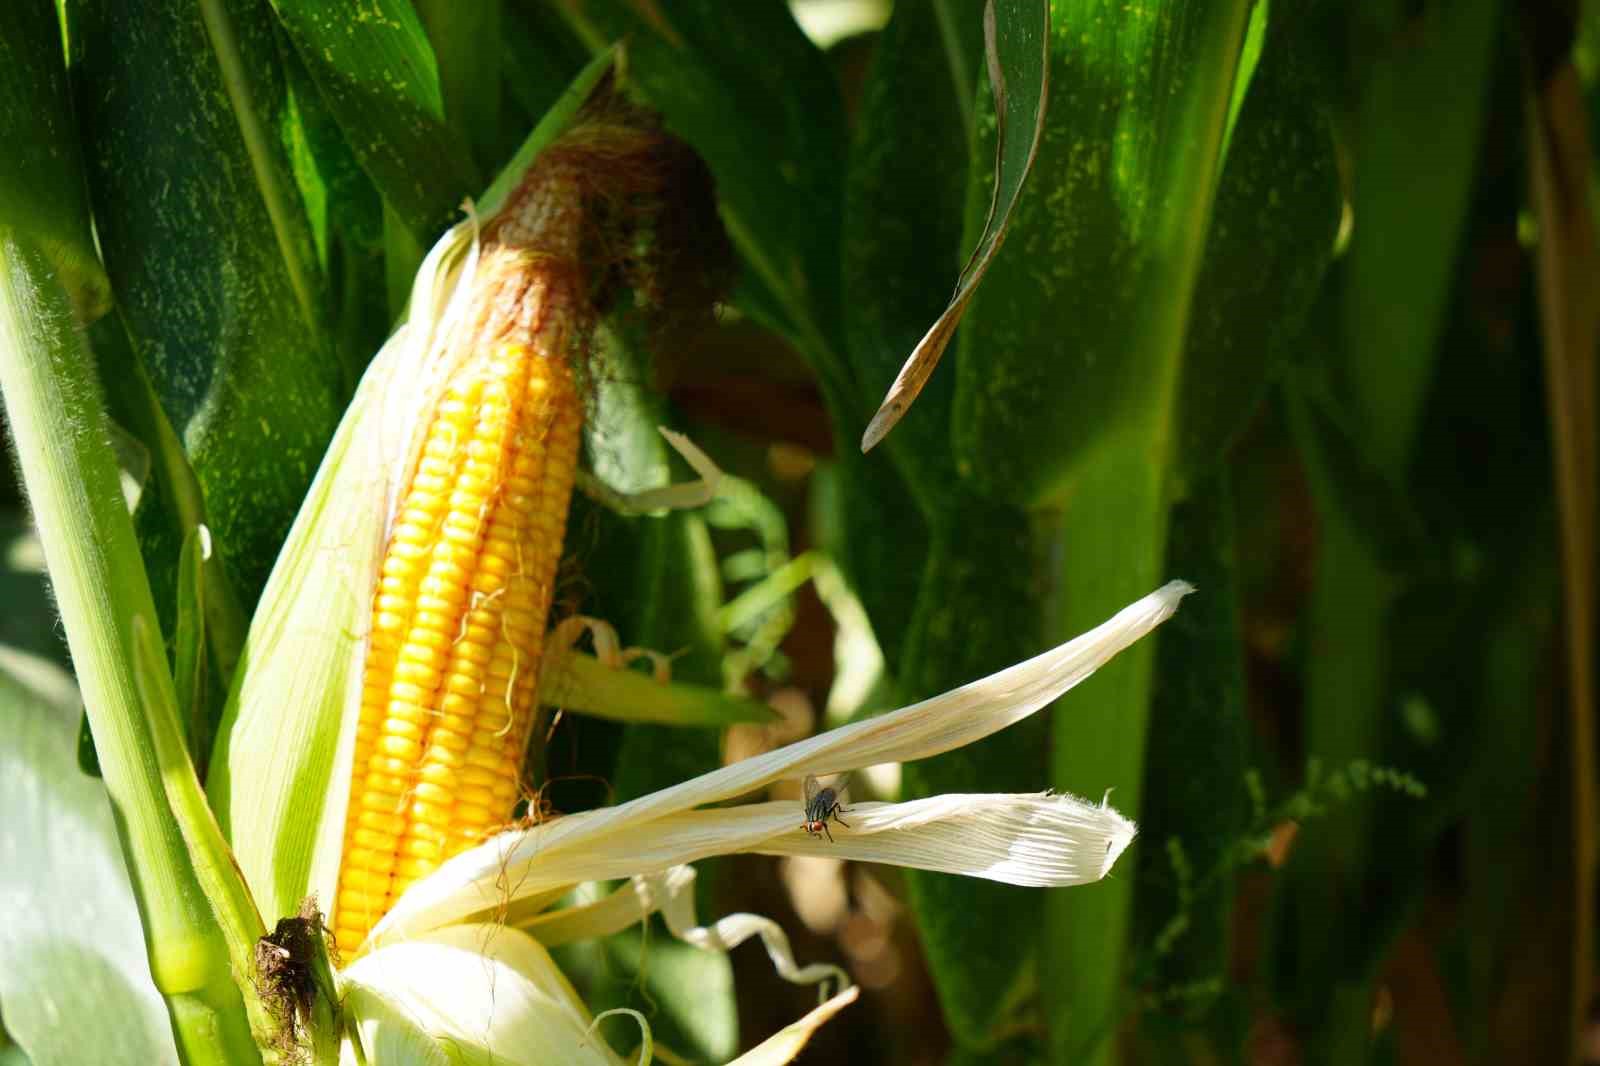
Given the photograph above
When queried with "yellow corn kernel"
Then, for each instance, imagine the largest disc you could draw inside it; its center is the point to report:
(458, 620)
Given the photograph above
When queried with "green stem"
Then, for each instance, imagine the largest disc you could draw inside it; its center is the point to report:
(1112, 536)
(1099, 730)
(63, 448)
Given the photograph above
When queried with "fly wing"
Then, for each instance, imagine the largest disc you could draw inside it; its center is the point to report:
(841, 786)
(812, 788)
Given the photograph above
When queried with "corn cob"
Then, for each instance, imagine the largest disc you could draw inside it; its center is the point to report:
(459, 615)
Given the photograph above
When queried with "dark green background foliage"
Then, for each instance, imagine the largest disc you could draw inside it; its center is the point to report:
(1297, 301)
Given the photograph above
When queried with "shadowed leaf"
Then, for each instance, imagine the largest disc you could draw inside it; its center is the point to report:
(1018, 54)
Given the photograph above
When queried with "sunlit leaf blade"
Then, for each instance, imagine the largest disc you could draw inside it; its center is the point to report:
(218, 292)
(1017, 47)
(42, 192)
(70, 942)
(379, 77)
(1080, 327)
(41, 175)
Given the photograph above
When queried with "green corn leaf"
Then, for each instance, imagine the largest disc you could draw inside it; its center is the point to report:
(881, 539)
(380, 79)
(961, 616)
(207, 245)
(345, 209)
(42, 195)
(1411, 195)
(1197, 808)
(469, 74)
(1344, 471)
(1087, 310)
(1017, 47)
(1068, 378)
(906, 194)
(975, 612)
(661, 588)
(171, 503)
(232, 906)
(1272, 234)
(541, 56)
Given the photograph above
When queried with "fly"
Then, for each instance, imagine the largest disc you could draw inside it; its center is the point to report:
(822, 804)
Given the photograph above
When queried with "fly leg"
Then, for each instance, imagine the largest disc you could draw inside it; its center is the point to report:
(838, 810)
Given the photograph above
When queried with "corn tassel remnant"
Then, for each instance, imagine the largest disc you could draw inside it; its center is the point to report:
(459, 615)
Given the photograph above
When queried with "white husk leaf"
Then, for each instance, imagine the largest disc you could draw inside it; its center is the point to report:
(485, 992)
(595, 844)
(387, 1035)
(1040, 840)
(1035, 839)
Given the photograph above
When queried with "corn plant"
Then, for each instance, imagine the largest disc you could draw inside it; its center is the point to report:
(1070, 522)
